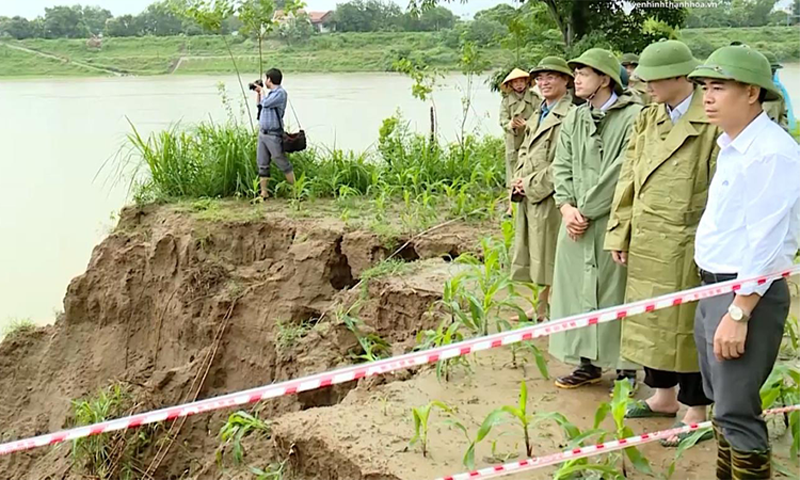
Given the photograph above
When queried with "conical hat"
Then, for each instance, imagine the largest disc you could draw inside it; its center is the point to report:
(515, 74)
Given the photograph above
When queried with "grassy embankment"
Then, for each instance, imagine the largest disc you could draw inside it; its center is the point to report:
(351, 52)
(341, 52)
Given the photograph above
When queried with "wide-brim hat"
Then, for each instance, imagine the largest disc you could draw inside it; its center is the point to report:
(665, 59)
(552, 64)
(601, 60)
(629, 59)
(513, 75)
(741, 64)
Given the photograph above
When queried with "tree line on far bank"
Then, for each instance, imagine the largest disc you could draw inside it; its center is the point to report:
(161, 19)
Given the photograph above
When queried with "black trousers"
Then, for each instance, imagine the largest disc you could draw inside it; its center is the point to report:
(690, 391)
(734, 384)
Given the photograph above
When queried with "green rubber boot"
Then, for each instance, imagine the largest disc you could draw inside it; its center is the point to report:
(754, 465)
(724, 470)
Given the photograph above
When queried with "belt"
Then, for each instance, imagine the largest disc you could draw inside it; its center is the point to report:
(709, 277)
(271, 132)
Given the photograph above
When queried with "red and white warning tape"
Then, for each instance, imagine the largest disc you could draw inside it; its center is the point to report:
(355, 372)
(590, 451)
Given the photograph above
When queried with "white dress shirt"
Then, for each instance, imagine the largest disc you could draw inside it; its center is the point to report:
(676, 113)
(613, 98)
(752, 220)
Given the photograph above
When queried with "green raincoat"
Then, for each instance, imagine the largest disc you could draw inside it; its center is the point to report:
(515, 105)
(776, 110)
(590, 150)
(538, 219)
(640, 87)
(660, 197)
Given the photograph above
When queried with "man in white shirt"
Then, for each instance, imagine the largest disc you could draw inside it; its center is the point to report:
(750, 227)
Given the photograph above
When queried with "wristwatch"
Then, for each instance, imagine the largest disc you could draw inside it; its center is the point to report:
(737, 314)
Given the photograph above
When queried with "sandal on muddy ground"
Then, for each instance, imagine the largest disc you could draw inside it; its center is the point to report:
(583, 375)
(707, 435)
(640, 409)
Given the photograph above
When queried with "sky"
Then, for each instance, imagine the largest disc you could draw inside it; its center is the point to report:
(34, 8)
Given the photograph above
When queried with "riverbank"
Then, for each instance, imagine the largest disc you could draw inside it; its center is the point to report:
(338, 52)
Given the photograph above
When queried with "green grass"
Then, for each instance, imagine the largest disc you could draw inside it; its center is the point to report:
(14, 63)
(18, 325)
(391, 267)
(115, 455)
(338, 52)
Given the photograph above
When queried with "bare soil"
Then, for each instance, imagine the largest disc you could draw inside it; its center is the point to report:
(179, 306)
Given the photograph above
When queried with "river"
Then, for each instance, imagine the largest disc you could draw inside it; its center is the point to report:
(56, 135)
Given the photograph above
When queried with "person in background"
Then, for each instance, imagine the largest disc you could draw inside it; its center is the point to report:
(538, 219)
(660, 196)
(270, 130)
(750, 228)
(777, 109)
(591, 146)
(518, 104)
(630, 61)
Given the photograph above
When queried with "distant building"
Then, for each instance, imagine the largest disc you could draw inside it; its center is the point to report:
(322, 21)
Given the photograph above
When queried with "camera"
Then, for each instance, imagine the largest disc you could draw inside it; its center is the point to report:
(253, 85)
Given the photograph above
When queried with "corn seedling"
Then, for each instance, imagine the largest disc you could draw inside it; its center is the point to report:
(421, 416)
(239, 426)
(790, 347)
(274, 471)
(372, 347)
(446, 333)
(518, 414)
(782, 388)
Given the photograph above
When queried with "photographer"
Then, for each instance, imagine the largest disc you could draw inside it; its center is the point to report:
(272, 106)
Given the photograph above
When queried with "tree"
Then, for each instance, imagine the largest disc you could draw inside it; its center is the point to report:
(64, 22)
(751, 13)
(123, 26)
(431, 20)
(502, 13)
(17, 27)
(367, 16)
(94, 19)
(257, 19)
(159, 19)
(296, 29)
(576, 19)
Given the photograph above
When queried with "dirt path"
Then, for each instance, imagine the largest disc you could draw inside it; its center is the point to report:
(180, 60)
(63, 59)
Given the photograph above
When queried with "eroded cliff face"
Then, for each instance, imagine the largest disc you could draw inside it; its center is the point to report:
(178, 308)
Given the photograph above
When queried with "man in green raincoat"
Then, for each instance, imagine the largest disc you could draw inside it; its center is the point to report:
(629, 62)
(586, 167)
(776, 109)
(538, 219)
(660, 197)
(518, 104)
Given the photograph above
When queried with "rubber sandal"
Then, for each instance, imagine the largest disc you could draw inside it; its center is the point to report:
(640, 409)
(708, 435)
(580, 377)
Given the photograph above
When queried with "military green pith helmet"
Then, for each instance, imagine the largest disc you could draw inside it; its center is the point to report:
(739, 63)
(552, 64)
(601, 60)
(629, 59)
(665, 59)
(773, 60)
